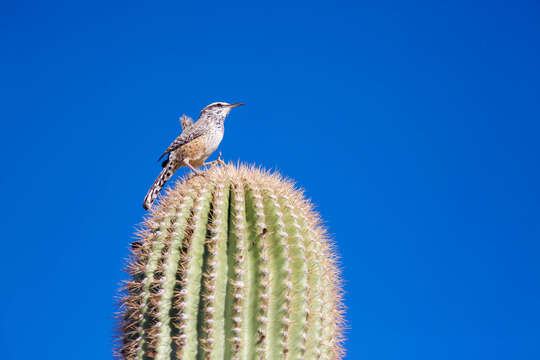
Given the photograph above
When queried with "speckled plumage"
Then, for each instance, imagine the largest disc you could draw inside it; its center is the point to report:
(193, 146)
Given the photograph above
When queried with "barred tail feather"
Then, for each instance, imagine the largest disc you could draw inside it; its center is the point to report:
(156, 187)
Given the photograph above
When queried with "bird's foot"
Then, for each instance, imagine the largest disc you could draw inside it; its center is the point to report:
(218, 161)
(195, 171)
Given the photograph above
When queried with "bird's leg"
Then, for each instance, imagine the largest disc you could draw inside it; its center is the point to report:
(186, 161)
(219, 161)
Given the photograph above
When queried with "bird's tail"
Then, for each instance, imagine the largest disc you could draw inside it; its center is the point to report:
(156, 187)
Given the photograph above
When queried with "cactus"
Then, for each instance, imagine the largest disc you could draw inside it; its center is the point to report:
(232, 265)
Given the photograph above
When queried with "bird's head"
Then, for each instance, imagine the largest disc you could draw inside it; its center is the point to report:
(219, 109)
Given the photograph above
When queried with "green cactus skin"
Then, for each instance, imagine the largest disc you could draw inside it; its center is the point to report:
(232, 265)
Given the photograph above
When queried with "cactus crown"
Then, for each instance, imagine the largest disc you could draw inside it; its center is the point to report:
(232, 265)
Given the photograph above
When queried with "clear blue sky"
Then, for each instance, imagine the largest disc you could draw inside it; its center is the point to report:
(413, 125)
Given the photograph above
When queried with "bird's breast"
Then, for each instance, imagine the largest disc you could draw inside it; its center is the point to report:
(213, 140)
(199, 149)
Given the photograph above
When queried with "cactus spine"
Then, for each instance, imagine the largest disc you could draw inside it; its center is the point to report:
(232, 265)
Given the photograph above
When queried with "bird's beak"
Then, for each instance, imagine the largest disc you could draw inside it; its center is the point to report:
(235, 105)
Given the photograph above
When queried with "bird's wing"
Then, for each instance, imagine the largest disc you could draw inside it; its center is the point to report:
(185, 121)
(185, 137)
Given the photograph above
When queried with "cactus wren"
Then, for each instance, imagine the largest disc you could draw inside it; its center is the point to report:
(193, 146)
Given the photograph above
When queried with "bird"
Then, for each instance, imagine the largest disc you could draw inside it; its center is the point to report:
(193, 146)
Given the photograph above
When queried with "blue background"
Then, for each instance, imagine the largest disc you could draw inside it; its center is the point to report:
(413, 125)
